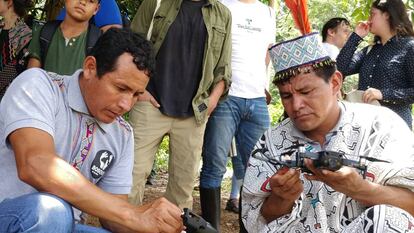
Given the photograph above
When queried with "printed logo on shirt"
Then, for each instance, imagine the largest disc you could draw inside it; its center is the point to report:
(101, 162)
(248, 26)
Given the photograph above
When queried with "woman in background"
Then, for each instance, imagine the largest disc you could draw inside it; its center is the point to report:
(15, 36)
(386, 68)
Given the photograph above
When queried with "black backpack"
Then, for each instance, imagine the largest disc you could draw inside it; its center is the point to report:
(49, 28)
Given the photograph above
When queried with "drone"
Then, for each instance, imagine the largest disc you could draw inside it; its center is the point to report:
(329, 160)
(195, 223)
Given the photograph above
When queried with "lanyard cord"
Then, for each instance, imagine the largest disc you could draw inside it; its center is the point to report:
(86, 144)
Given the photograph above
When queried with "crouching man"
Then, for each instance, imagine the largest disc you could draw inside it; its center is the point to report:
(64, 144)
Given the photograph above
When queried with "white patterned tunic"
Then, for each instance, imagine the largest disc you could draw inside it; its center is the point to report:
(362, 130)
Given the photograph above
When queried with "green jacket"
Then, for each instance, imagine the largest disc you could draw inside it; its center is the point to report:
(217, 51)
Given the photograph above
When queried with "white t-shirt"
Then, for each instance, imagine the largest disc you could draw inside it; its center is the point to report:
(332, 50)
(253, 30)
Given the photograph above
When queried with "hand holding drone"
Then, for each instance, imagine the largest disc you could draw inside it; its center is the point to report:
(329, 160)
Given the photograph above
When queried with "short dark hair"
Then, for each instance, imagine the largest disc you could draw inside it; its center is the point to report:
(21, 7)
(332, 24)
(399, 20)
(326, 72)
(115, 42)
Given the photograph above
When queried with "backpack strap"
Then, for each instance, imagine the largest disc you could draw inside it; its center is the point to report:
(46, 35)
(49, 29)
(93, 35)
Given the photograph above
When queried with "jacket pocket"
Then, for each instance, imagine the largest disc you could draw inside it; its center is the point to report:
(219, 33)
(159, 21)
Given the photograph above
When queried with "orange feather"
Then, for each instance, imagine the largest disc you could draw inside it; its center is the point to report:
(299, 10)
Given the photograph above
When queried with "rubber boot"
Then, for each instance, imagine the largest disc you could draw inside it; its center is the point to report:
(210, 200)
(242, 228)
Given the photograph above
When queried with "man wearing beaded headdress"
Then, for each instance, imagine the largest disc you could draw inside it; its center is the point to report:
(279, 198)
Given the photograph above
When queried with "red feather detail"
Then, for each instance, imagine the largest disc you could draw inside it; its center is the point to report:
(299, 10)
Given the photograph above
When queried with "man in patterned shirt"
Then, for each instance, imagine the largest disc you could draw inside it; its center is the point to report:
(277, 198)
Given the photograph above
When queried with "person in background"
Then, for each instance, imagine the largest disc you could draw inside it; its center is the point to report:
(15, 36)
(280, 195)
(335, 33)
(232, 203)
(244, 114)
(386, 68)
(67, 48)
(192, 43)
(108, 15)
(65, 144)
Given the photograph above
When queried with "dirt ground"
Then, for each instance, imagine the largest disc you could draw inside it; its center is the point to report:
(229, 220)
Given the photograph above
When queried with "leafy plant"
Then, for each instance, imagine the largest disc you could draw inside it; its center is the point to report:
(162, 155)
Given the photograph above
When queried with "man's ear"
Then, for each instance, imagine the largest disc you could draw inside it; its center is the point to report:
(10, 4)
(387, 16)
(97, 9)
(331, 31)
(89, 67)
(337, 80)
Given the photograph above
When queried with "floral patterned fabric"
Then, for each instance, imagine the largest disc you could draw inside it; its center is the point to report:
(14, 53)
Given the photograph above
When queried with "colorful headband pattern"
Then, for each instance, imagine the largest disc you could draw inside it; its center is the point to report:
(290, 57)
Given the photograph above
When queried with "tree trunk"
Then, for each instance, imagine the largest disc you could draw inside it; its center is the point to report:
(272, 4)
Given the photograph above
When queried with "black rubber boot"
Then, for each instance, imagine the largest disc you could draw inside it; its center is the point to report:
(210, 200)
(242, 228)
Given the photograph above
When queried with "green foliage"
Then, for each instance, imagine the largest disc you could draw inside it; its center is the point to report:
(129, 7)
(319, 11)
(275, 111)
(162, 155)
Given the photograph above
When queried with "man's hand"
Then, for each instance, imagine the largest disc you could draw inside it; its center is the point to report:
(362, 29)
(212, 104)
(371, 94)
(268, 97)
(215, 96)
(286, 188)
(146, 96)
(286, 184)
(345, 180)
(159, 216)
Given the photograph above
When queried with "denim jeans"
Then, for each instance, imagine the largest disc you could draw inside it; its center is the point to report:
(236, 183)
(42, 213)
(247, 120)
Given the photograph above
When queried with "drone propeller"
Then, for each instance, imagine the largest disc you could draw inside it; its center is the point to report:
(371, 159)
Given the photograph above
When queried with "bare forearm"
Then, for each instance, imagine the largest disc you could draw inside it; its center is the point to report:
(118, 228)
(215, 96)
(274, 208)
(39, 166)
(114, 227)
(217, 90)
(377, 194)
(66, 182)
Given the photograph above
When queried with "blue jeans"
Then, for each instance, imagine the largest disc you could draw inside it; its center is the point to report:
(40, 212)
(247, 120)
(238, 171)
